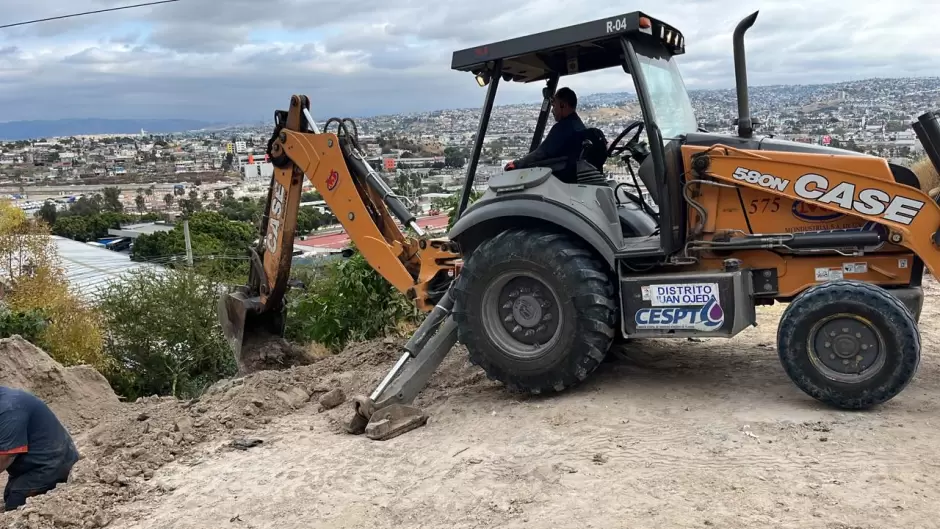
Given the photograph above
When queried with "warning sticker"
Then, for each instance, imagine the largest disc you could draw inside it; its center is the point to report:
(829, 274)
(902, 263)
(855, 268)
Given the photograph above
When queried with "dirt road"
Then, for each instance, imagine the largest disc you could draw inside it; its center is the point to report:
(677, 434)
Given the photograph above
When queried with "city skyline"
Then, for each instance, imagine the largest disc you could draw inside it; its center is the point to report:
(194, 60)
(588, 97)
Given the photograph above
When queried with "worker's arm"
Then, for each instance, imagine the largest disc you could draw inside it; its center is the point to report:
(551, 147)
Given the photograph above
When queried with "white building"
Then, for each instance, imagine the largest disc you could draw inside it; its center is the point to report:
(257, 171)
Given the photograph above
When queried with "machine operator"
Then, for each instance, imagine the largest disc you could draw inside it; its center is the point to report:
(564, 137)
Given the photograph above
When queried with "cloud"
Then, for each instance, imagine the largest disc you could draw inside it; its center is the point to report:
(242, 59)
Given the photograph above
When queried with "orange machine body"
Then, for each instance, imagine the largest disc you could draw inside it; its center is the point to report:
(770, 192)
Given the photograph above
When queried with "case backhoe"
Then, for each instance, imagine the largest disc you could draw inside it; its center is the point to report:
(554, 262)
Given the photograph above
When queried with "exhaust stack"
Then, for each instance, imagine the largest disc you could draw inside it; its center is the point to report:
(745, 124)
(927, 129)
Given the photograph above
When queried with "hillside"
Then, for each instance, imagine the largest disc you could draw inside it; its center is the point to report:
(23, 130)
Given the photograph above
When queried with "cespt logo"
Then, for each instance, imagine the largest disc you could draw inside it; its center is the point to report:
(705, 318)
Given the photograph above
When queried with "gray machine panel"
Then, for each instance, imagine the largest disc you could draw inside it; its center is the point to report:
(719, 304)
(594, 204)
(519, 179)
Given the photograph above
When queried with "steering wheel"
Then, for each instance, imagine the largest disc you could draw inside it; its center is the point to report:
(615, 149)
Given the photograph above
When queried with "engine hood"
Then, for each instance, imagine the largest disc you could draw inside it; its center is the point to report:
(707, 139)
(764, 143)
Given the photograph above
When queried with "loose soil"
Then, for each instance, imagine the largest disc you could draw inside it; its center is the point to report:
(667, 434)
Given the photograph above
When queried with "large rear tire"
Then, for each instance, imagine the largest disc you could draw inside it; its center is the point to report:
(849, 344)
(535, 310)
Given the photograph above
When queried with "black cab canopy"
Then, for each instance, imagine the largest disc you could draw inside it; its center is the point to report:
(570, 50)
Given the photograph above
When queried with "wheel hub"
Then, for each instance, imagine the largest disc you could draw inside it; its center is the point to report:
(527, 310)
(847, 346)
(521, 314)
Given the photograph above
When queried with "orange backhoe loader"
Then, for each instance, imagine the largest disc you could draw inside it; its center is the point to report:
(556, 260)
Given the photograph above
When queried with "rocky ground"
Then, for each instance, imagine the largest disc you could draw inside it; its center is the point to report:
(669, 434)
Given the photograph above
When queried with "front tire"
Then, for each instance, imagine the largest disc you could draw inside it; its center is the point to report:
(849, 344)
(535, 310)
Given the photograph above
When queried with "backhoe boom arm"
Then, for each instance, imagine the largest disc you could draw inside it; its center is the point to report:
(419, 267)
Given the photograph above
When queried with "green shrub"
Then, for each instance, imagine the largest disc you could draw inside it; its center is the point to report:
(29, 324)
(346, 300)
(163, 333)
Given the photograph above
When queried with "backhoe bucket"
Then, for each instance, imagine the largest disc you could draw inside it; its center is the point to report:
(247, 329)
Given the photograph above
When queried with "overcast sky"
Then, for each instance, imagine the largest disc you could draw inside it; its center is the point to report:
(235, 60)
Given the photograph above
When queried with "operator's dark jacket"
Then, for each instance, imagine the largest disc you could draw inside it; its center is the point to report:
(564, 139)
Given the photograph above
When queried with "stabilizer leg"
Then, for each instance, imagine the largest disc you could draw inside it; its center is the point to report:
(387, 412)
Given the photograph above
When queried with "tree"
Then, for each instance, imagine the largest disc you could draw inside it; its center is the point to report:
(219, 245)
(85, 206)
(35, 283)
(310, 196)
(168, 198)
(112, 200)
(48, 213)
(309, 219)
(416, 184)
(85, 228)
(188, 206)
(454, 157)
(141, 204)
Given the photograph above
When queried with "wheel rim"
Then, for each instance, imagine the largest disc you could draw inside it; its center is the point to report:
(846, 348)
(521, 314)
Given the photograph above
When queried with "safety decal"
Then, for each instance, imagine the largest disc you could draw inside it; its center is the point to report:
(854, 268)
(829, 274)
(332, 180)
(902, 263)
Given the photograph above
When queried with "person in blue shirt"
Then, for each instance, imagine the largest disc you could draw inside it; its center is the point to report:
(36, 451)
(564, 139)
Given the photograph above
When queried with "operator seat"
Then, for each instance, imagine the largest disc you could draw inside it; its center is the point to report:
(588, 167)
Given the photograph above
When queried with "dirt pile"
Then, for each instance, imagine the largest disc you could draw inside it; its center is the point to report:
(121, 453)
(79, 395)
(264, 351)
